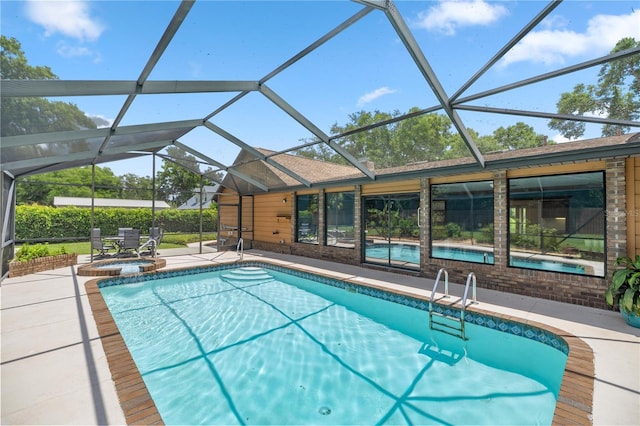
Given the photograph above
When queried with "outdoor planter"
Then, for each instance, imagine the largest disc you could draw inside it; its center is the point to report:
(46, 263)
(630, 318)
(624, 289)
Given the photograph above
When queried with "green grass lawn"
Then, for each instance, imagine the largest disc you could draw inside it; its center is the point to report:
(168, 241)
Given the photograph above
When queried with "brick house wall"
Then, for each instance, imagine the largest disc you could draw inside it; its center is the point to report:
(574, 289)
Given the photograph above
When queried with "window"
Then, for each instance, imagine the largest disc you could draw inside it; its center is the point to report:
(307, 218)
(462, 221)
(339, 217)
(391, 232)
(557, 223)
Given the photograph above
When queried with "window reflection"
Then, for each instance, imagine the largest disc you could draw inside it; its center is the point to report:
(462, 221)
(392, 235)
(307, 218)
(339, 217)
(557, 223)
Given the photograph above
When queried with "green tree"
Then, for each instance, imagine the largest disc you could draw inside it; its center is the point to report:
(20, 116)
(369, 144)
(518, 136)
(422, 138)
(616, 95)
(427, 137)
(136, 187)
(42, 188)
(176, 183)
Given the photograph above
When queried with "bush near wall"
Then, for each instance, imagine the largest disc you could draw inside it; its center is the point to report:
(37, 222)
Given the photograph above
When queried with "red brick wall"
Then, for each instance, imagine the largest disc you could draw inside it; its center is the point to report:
(17, 269)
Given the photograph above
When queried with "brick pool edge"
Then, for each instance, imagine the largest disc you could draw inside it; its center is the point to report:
(574, 405)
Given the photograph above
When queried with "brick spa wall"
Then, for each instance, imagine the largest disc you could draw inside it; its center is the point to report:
(17, 269)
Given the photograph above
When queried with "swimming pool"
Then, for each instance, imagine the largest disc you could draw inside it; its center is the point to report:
(287, 356)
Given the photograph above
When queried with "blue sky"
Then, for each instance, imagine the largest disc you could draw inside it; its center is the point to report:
(365, 67)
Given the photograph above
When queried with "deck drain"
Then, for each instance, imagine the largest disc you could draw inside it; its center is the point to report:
(325, 411)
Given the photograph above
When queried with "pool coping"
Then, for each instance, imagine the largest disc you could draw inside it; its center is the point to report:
(92, 269)
(575, 399)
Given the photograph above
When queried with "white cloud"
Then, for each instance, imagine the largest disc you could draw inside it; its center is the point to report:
(70, 18)
(561, 139)
(552, 46)
(371, 96)
(447, 16)
(100, 120)
(68, 51)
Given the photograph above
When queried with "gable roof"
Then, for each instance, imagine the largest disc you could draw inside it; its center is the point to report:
(326, 174)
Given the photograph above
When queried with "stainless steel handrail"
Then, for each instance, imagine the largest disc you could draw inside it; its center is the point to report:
(240, 248)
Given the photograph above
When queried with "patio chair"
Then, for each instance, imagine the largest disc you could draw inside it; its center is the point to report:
(98, 244)
(303, 231)
(121, 231)
(130, 241)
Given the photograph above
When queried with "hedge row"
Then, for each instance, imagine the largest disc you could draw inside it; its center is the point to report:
(39, 222)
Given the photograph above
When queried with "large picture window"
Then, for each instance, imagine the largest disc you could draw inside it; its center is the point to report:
(339, 217)
(462, 221)
(557, 223)
(307, 218)
(391, 232)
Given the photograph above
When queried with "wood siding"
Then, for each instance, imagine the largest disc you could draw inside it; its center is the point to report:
(399, 187)
(473, 177)
(589, 166)
(272, 221)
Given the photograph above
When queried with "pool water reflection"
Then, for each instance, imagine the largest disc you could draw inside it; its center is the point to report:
(409, 256)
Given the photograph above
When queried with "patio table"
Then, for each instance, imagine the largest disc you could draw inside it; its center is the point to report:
(118, 240)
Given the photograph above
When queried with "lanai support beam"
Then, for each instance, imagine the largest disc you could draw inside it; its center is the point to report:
(49, 161)
(521, 34)
(167, 36)
(221, 166)
(228, 136)
(429, 75)
(307, 124)
(55, 88)
(546, 76)
(537, 114)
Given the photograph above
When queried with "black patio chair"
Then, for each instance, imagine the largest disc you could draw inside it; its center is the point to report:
(130, 242)
(99, 245)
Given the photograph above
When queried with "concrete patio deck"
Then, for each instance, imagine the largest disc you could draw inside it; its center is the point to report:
(54, 369)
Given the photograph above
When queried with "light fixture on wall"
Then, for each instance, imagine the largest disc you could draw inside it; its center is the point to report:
(284, 201)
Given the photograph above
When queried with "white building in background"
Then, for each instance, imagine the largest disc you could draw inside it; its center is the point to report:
(209, 195)
(108, 202)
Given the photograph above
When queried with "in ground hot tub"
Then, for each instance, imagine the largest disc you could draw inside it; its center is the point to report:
(106, 268)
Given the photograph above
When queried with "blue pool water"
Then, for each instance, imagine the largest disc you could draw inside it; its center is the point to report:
(410, 253)
(131, 267)
(547, 265)
(259, 346)
(406, 253)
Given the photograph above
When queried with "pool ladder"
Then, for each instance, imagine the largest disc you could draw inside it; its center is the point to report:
(240, 248)
(445, 322)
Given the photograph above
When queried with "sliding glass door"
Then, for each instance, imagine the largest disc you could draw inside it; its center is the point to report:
(391, 232)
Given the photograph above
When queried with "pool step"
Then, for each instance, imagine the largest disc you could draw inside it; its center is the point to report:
(247, 275)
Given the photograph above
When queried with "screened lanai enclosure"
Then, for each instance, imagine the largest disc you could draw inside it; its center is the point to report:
(290, 97)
